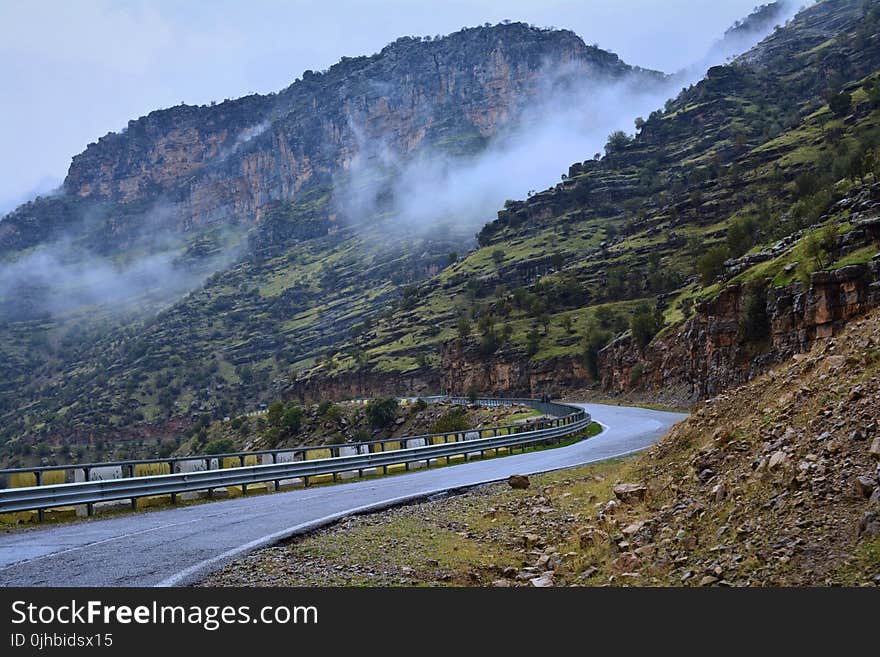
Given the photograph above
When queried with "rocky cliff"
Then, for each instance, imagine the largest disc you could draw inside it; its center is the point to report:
(231, 160)
(508, 373)
(711, 352)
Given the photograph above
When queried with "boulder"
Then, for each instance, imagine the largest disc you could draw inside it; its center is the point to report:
(875, 448)
(864, 486)
(543, 581)
(626, 563)
(520, 482)
(630, 493)
(778, 459)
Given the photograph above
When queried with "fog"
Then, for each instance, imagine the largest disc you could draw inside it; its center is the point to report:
(570, 121)
(73, 71)
(75, 275)
(424, 193)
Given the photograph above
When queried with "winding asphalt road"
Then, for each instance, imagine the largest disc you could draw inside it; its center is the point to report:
(179, 546)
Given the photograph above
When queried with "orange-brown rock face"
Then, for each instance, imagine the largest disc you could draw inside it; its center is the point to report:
(708, 354)
(227, 162)
(512, 373)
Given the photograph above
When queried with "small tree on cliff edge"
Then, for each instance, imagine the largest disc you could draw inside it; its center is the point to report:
(645, 324)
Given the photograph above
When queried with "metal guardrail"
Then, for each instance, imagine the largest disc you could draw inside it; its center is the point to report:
(217, 461)
(569, 420)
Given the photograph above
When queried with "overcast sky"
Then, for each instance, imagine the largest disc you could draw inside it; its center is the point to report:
(73, 70)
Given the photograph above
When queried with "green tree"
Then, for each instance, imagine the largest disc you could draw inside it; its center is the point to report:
(754, 324)
(710, 265)
(464, 327)
(840, 104)
(597, 339)
(644, 325)
(533, 342)
(276, 412)
(455, 419)
(219, 446)
(617, 141)
(292, 419)
(381, 412)
(567, 323)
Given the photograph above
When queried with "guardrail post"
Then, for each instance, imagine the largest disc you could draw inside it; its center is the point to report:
(275, 462)
(38, 476)
(90, 507)
(171, 471)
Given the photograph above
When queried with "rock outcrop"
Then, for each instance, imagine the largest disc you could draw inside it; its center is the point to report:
(232, 160)
(709, 354)
(507, 373)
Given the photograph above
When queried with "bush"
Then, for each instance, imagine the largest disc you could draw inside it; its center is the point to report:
(455, 419)
(754, 325)
(276, 412)
(710, 265)
(291, 420)
(840, 104)
(166, 449)
(382, 412)
(533, 342)
(219, 446)
(617, 141)
(644, 325)
(636, 374)
(597, 340)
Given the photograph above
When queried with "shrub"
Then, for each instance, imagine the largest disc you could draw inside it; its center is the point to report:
(617, 141)
(636, 374)
(533, 342)
(840, 104)
(754, 324)
(455, 419)
(219, 446)
(596, 340)
(276, 412)
(291, 420)
(644, 325)
(382, 412)
(710, 265)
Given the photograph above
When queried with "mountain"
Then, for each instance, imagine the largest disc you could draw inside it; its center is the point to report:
(199, 259)
(736, 228)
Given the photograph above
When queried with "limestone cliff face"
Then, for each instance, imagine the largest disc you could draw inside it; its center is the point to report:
(355, 385)
(228, 162)
(708, 355)
(507, 374)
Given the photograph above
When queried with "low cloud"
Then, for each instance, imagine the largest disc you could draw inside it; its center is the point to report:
(569, 121)
(68, 275)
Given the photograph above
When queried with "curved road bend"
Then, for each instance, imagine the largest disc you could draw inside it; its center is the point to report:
(178, 546)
